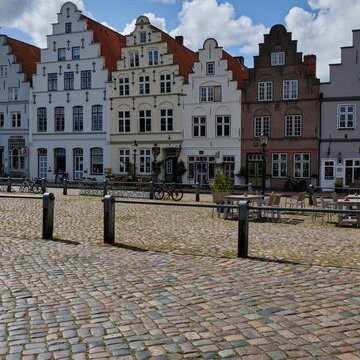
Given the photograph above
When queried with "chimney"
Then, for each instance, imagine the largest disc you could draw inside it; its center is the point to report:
(310, 60)
(179, 40)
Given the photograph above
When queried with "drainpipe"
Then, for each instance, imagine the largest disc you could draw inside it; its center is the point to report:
(321, 98)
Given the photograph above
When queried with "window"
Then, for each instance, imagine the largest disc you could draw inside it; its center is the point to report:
(166, 120)
(124, 121)
(59, 119)
(279, 165)
(302, 165)
(86, 79)
(145, 120)
(346, 116)
(3, 71)
(352, 171)
(143, 37)
(261, 125)
(96, 161)
(76, 53)
(199, 126)
(52, 82)
(265, 91)
(293, 125)
(42, 119)
(97, 117)
(124, 161)
(329, 170)
(16, 160)
(69, 80)
(277, 58)
(210, 93)
(153, 57)
(42, 163)
(165, 83)
(134, 59)
(124, 87)
(60, 159)
(16, 119)
(68, 27)
(62, 54)
(229, 166)
(223, 125)
(145, 161)
(78, 118)
(144, 85)
(2, 120)
(13, 93)
(210, 68)
(290, 89)
(78, 155)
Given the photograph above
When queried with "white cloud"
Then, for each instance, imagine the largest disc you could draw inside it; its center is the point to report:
(156, 21)
(201, 19)
(33, 17)
(323, 30)
(107, 25)
(165, 1)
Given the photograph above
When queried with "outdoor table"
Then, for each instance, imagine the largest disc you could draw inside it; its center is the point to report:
(228, 200)
(348, 204)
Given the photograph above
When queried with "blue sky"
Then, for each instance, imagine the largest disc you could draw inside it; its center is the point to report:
(320, 26)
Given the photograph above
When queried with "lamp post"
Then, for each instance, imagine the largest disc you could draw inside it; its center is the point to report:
(263, 142)
(134, 147)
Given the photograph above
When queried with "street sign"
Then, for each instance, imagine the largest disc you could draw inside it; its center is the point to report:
(156, 151)
(24, 151)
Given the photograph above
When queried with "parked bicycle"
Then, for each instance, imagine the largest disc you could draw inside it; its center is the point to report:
(31, 185)
(172, 190)
(292, 184)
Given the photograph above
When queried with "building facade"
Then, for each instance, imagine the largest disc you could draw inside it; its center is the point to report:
(281, 100)
(212, 115)
(340, 125)
(146, 94)
(17, 64)
(69, 128)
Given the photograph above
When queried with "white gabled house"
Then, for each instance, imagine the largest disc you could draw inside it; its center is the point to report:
(69, 105)
(212, 115)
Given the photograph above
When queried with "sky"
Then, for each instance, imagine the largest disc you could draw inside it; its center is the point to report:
(321, 27)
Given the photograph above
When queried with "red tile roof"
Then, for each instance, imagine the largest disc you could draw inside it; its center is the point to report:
(27, 55)
(110, 42)
(182, 56)
(239, 71)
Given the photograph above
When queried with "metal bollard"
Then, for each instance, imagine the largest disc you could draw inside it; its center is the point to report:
(65, 186)
(243, 230)
(109, 219)
(197, 197)
(9, 183)
(48, 215)
(43, 185)
(151, 190)
(105, 188)
(249, 187)
(311, 193)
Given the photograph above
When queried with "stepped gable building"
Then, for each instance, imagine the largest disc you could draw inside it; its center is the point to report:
(69, 131)
(340, 125)
(212, 115)
(17, 65)
(146, 96)
(281, 100)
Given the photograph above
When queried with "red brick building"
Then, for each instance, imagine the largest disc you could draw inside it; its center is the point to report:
(280, 100)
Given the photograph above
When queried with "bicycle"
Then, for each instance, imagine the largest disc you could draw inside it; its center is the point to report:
(175, 192)
(294, 185)
(31, 185)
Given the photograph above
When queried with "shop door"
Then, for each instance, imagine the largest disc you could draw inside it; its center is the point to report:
(328, 174)
(255, 167)
(42, 166)
(170, 166)
(78, 167)
(202, 173)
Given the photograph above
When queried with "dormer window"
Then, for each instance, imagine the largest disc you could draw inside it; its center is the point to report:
(143, 37)
(277, 58)
(68, 27)
(210, 68)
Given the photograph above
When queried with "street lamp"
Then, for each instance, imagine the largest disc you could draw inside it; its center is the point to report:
(134, 147)
(263, 143)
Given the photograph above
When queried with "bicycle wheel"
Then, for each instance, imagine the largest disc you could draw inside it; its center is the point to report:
(177, 194)
(158, 193)
(36, 189)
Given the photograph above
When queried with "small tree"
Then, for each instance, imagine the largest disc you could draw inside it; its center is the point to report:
(221, 183)
(180, 171)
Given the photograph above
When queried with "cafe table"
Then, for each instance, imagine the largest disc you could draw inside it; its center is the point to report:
(351, 204)
(230, 199)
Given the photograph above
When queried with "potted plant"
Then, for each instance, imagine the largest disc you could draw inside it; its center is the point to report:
(338, 185)
(180, 171)
(222, 183)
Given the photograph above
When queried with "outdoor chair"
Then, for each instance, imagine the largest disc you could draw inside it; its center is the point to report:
(329, 204)
(315, 215)
(297, 201)
(275, 203)
(218, 199)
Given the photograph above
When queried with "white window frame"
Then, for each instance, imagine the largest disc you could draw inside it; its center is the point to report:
(59, 115)
(346, 114)
(144, 84)
(78, 118)
(124, 86)
(199, 124)
(13, 93)
(3, 70)
(290, 89)
(210, 68)
(62, 54)
(75, 53)
(52, 81)
(124, 121)
(281, 160)
(166, 120)
(41, 119)
(293, 125)
(277, 58)
(96, 118)
(96, 159)
(153, 57)
(134, 59)
(124, 161)
(145, 117)
(265, 91)
(262, 125)
(69, 80)
(223, 122)
(145, 162)
(210, 93)
(16, 119)
(143, 37)
(302, 162)
(165, 83)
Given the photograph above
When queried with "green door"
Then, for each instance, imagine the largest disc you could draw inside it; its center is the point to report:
(255, 170)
